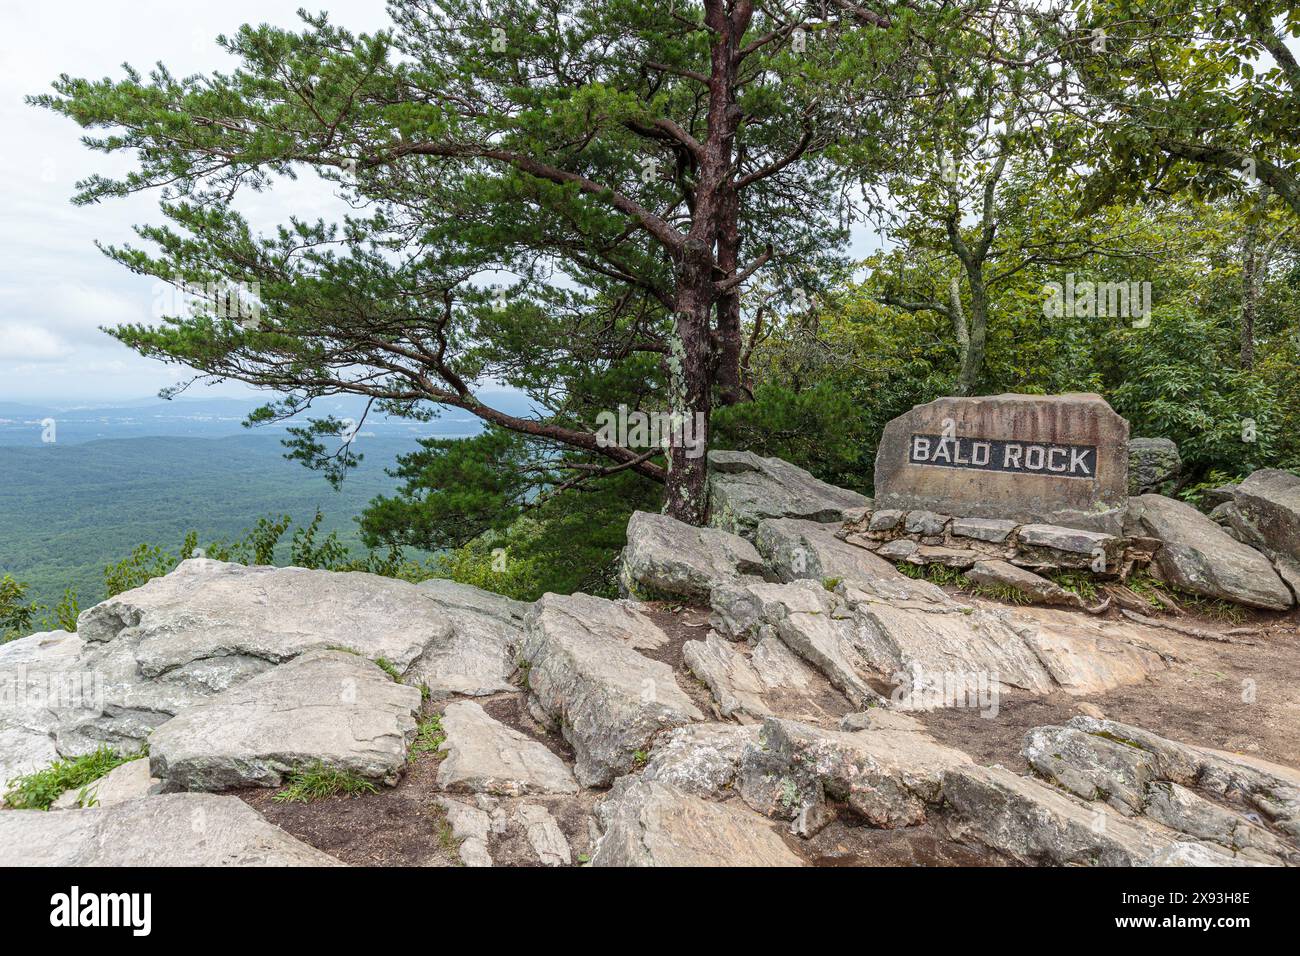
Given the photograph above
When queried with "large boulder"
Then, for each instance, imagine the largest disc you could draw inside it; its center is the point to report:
(1199, 556)
(755, 681)
(890, 774)
(180, 829)
(1267, 513)
(745, 488)
(585, 678)
(1151, 463)
(486, 756)
(666, 558)
(1138, 773)
(150, 653)
(1052, 459)
(328, 706)
(42, 687)
(1037, 824)
(478, 655)
(649, 823)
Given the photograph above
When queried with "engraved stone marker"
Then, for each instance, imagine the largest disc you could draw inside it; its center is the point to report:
(1055, 459)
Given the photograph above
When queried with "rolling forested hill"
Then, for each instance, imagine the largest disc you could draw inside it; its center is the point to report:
(67, 510)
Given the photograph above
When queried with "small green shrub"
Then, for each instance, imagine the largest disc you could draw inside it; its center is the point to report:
(37, 791)
(429, 736)
(317, 781)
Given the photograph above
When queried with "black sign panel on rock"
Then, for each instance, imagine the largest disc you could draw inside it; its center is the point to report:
(997, 454)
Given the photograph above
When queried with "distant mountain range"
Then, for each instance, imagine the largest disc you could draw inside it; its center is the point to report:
(23, 423)
(69, 509)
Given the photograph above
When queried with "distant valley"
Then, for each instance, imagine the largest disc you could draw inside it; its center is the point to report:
(118, 477)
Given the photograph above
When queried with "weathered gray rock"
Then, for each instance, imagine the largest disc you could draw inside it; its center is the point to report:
(808, 619)
(471, 830)
(129, 781)
(180, 829)
(1139, 772)
(1199, 556)
(327, 706)
(208, 610)
(486, 756)
(925, 522)
(1185, 811)
(996, 573)
(1054, 459)
(797, 550)
(1267, 512)
(207, 627)
(926, 647)
(585, 678)
(466, 597)
(753, 682)
(888, 774)
(959, 558)
(666, 558)
(42, 686)
(745, 488)
(885, 519)
(1066, 539)
(991, 530)
(477, 657)
(1151, 463)
(1272, 790)
(1092, 767)
(648, 823)
(1036, 824)
(544, 835)
(701, 759)
(1088, 656)
(900, 549)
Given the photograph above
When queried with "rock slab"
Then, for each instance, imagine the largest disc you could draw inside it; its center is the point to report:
(328, 706)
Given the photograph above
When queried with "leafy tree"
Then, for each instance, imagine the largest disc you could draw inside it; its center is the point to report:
(630, 166)
(1179, 93)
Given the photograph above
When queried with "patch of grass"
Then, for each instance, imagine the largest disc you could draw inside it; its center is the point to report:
(1078, 582)
(935, 573)
(37, 791)
(1146, 587)
(446, 836)
(830, 584)
(317, 781)
(999, 592)
(429, 736)
(389, 668)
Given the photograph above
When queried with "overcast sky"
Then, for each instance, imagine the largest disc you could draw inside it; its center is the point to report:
(56, 288)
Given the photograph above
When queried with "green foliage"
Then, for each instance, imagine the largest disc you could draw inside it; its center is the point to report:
(37, 791)
(16, 612)
(567, 543)
(316, 781)
(429, 736)
(146, 562)
(820, 428)
(19, 617)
